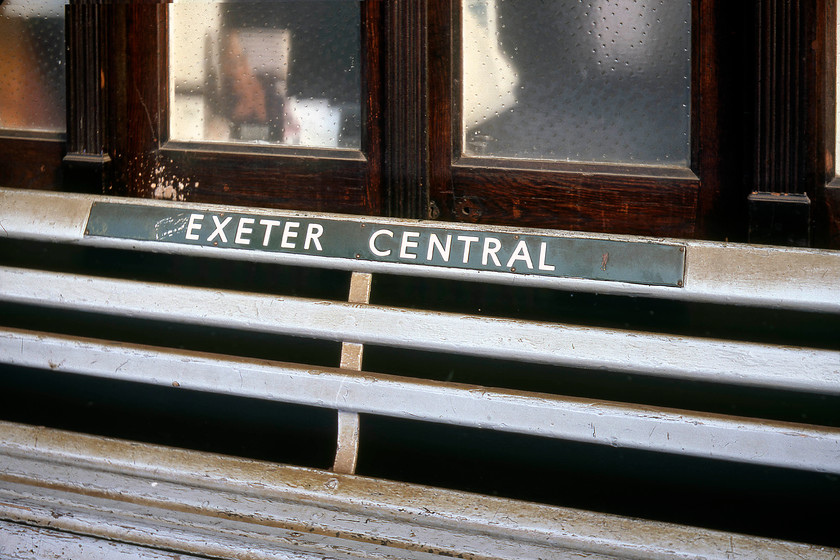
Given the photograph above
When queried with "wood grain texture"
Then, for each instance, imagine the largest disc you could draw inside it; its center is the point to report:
(795, 107)
(272, 181)
(583, 202)
(782, 97)
(825, 214)
(405, 134)
(832, 215)
(31, 163)
(87, 164)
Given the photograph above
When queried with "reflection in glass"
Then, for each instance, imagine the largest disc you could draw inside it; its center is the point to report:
(590, 80)
(283, 73)
(32, 74)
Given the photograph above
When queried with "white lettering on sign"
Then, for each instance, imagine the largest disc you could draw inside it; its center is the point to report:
(269, 224)
(491, 247)
(220, 229)
(288, 234)
(443, 251)
(468, 240)
(521, 254)
(242, 231)
(313, 235)
(406, 244)
(473, 249)
(372, 242)
(543, 265)
(195, 224)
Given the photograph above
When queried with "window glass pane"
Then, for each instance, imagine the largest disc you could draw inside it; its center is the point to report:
(32, 74)
(589, 80)
(283, 73)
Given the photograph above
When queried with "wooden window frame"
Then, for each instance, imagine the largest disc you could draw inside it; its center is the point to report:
(412, 167)
(32, 161)
(295, 178)
(824, 115)
(644, 200)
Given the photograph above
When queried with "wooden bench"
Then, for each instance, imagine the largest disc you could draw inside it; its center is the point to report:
(119, 497)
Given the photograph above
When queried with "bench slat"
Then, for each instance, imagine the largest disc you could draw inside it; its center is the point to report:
(723, 273)
(247, 499)
(680, 357)
(641, 427)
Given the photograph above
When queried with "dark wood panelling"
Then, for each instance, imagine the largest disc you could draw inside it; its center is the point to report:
(300, 183)
(406, 139)
(826, 212)
(583, 202)
(439, 85)
(87, 163)
(782, 97)
(795, 111)
(137, 58)
(31, 163)
(831, 214)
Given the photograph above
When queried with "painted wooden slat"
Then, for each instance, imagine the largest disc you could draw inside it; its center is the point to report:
(680, 357)
(656, 429)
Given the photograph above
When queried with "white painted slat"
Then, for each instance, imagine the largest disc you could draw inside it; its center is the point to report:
(681, 357)
(150, 528)
(736, 274)
(150, 493)
(25, 542)
(56, 217)
(656, 429)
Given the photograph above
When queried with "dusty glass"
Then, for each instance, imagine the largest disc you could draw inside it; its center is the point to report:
(603, 81)
(32, 67)
(275, 73)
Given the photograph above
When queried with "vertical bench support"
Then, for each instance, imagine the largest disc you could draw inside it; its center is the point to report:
(347, 447)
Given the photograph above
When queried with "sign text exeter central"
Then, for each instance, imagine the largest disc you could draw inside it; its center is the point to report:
(397, 241)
